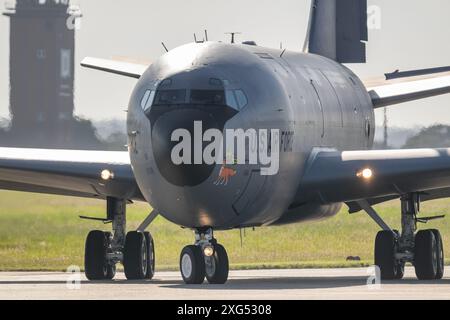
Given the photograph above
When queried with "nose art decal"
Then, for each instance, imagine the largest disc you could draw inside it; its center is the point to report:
(225, 175)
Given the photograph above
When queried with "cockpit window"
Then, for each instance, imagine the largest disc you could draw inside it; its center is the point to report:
(214, 97)
(215, 82)
(241, 98)
(147, 99)
(169, 97)
(235, 99)
(231, 99)
(166, 83)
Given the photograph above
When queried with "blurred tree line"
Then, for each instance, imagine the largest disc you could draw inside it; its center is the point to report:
(436, 136)
(84, 135)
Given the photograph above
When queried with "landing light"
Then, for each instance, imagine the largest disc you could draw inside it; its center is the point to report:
(365, 174)
(107, 175)
(208, 251)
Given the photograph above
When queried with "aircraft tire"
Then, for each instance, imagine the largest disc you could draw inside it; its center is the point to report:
(135, 256)
(217, 270)
(95, 256)
(425, 258)
(440, 254)
(151, 256)
(192, 265)
(385, 249)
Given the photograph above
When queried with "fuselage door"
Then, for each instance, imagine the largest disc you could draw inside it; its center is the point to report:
(331, 111)
(319, 103)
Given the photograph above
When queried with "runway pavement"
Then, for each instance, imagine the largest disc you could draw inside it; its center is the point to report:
(249, 285)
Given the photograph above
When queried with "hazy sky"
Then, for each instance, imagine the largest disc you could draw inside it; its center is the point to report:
(413, 34)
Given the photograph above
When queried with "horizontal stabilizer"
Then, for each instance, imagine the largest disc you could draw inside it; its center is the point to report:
(401, 89)
(123, 68)
(397, 74)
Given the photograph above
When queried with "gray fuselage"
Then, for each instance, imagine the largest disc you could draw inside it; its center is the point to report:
(314, 102)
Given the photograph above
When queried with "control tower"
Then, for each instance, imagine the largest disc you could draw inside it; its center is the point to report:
(42, 47)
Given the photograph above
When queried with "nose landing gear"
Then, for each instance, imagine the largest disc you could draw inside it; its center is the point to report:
(206, 258)
(192, 265)
(217, 266)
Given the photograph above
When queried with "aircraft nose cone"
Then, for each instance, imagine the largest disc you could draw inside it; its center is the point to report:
(164, 125)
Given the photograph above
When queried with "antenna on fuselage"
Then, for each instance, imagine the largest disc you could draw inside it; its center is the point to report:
(233, 36)
(201, 41)
(164, 46)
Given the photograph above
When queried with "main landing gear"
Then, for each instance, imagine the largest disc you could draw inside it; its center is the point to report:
(206, 258)
(424, 249)
(135, 250)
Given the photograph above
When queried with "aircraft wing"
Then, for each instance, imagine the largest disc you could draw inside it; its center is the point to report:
(121, 67)
(332, 176)
(68, 172)
(399, 87)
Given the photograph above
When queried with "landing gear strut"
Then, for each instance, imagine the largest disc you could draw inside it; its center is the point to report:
(206, 258)
(103, 250)
(424, 249)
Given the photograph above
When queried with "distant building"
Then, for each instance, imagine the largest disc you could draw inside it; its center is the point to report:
(42, 49)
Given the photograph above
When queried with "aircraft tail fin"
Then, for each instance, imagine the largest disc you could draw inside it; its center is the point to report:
(337, 30)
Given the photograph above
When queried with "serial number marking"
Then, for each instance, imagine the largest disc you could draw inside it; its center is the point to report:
(246, 309)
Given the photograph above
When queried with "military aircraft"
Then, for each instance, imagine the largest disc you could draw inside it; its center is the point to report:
(310, 114)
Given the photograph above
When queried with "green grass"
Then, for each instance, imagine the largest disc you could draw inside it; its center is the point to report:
(40, 232)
